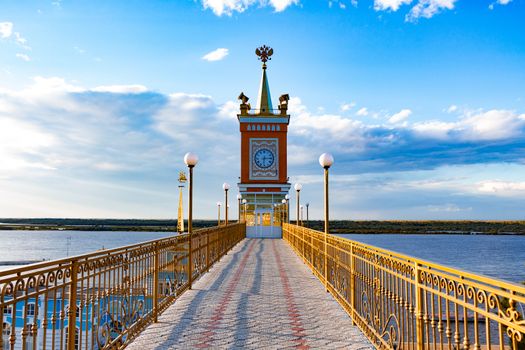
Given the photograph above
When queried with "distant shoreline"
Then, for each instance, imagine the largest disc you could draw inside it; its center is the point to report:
(336, 226)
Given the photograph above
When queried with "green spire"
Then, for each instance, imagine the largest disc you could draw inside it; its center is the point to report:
(264, 102)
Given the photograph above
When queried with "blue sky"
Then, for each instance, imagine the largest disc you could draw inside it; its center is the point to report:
(422, 103)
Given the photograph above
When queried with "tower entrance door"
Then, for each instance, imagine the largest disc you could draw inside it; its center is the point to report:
(263, 225)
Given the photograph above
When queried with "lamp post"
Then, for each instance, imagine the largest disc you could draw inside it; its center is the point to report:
(239, 197)
(326, 160)
(298, 188)
(244, 201)
(287, 198)
(219, 213)
(191, 159)
(301, 207)
(307, 221)
(226, 187)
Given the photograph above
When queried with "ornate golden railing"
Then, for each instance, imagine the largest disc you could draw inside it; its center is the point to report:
(105, 297)
(401, 302)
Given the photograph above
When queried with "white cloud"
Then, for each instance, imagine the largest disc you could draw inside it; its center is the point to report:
(281, 5)
(79, 50)
(501, 188)
(21, 41)
(121, 89)
(216, 55)
(23, 57)
(400, 117)
(452, 109)
(347, 106)
(382, 5)
(315, 133)
(447, 208)
(422, 8)
(428, 8)
(65, 147)
(479, 126)
(362, 112)
(499, 2)
(227, 7)
(6, 29)
(434, 129)
(229, 110)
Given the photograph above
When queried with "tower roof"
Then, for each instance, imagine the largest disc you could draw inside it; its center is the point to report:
(264, 101)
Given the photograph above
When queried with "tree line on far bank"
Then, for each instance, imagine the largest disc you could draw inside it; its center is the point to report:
(336, 226)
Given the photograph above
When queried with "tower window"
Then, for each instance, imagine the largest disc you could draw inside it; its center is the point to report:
(7, 310)
(249, 127)
(258, 127)
(278, 128)
(264, 127)
(30, 309)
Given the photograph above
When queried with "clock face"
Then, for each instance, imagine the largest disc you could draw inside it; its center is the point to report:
(264, 158)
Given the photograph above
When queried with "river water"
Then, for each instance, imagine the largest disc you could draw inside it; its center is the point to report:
(501, 257)
(50, 245)
(496, 256)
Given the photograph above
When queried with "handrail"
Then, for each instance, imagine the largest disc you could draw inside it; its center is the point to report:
(402, 302)
(105, 297)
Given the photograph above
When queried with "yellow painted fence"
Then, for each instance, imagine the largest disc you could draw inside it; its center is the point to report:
(105, 297)
(401, 302)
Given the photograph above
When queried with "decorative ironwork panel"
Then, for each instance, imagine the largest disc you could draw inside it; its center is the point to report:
(104, 298)
(401, 302)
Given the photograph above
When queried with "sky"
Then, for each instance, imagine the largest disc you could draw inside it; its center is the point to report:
(421, 103)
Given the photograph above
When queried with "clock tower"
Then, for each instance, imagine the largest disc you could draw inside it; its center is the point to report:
(264, 179)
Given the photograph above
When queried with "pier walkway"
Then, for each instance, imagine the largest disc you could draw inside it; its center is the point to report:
(260, 295)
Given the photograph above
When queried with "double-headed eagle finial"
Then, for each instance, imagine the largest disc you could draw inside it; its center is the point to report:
(264, 52)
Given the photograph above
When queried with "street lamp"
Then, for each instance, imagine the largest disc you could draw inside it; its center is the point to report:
(298, 188)
(191, 159)
(226, 187)
(326, 160)
(219, 213)
(244, 201)
(307, 222)
(302, 207)
(239, 197)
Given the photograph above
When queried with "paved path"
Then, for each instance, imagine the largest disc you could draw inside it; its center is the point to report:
(259, 296)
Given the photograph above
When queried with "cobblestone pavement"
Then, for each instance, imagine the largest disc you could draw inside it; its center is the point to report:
(259, 296)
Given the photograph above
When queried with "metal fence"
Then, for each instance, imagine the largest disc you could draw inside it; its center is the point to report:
(106, 297)
(401, 302)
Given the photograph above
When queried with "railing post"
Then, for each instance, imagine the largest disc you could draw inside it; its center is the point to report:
(303, 252)
(156, 283)
(352, 282)
(190, 257)
(72, 313)
(419, 310)
(207, 250)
